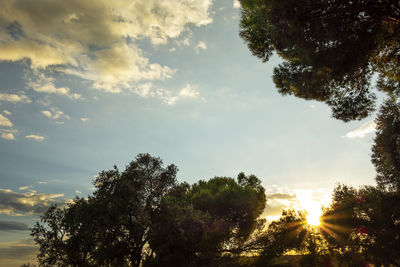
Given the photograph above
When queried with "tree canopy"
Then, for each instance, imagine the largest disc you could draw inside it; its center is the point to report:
(330, 49)
(142, 217)
(386, 148)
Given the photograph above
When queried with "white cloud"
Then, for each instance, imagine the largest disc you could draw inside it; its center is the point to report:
(78, 192)
(200, 46)
(364, 129)
(35, 137)
(55, 114)
(144, 90)
(4, 121)
(7, 112)
(43, 84)
(236, 4)
(168, 97)
(14, 98)
(84, 119)
(24, 188)
(89, 38)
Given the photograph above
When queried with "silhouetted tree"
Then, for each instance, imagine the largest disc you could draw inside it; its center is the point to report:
(330, 49)
(112, 226)
(141, 217)
(292, 233)
(386, 149)
(365, 223)
(209, 222)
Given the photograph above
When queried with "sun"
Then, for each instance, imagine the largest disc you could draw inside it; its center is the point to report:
(313, 209)
(313, 218)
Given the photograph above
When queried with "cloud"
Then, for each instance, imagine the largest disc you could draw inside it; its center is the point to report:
(7, 112)
(18, 252)
(12, 225)
(84, 119)
(35, 137)
(15, 203)
(5, 121)
(43, 84)
(365, 129)
(236, 4)
(201, 45)
(55, 114)
(23, 188)
(96, 41)
(14, 98)
(8, 134)
(187, 92)
(283, 198)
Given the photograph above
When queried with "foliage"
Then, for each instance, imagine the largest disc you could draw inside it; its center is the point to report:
(330, 49)
(112, 226)
(141, 217)
(386, 149)
(208, 222)
(292, 234)
(359, 222)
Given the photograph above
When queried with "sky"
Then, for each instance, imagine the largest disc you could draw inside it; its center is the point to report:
(88, 84)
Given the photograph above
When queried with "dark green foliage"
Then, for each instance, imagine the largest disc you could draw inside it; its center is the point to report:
(364, 223)
(141, 217)
(207, 223)
(386, 149)
(330, 49)
(112, 226)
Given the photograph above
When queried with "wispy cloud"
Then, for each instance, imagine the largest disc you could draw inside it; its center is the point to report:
(366, 128)
(18, 252)
(13, 226)
(55, 114)
(14, 98)
(283, 198)
(41, 83)
(236, 4)
(35, 137)
(200, 46)
(4, 121)
(188, 91)
(7, 112)
(32, 202)
(26, 187)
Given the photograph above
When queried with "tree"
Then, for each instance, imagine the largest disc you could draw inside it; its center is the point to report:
(365, 223)
(142, 217)
(386, 149)
(209, 222)
(112, 226)
(64, 235)
(292, 233)
(330, 49)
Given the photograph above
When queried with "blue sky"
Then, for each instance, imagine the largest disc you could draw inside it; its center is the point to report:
(85, 85)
